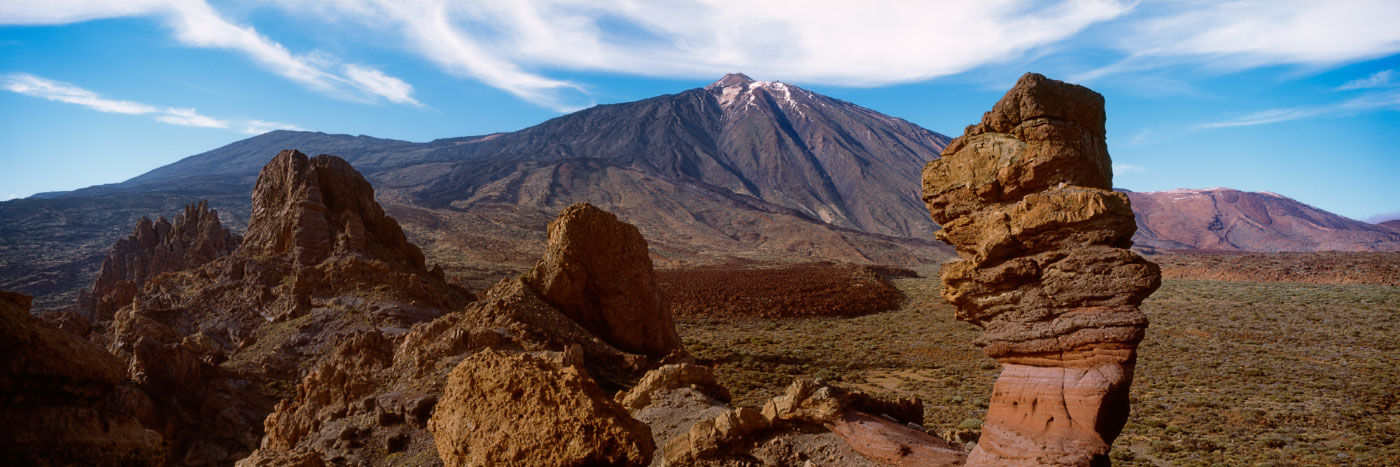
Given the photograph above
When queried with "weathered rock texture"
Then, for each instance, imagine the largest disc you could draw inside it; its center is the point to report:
(597, 271)
(63, 400)
(157, 247)
(217, 345)
(501, 409)
(374, 392)
(311, 209)
(857, 430)
(1026, 197)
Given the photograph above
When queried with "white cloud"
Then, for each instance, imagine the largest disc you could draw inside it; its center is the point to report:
(1128, 168)
(1239, 35)
(30, 85)
(258, 127)
(35, 86)
(1372, 101)
(194, 23)
(1379, 80)
(512, 45)
(523, 46)
(375, 81)
(12, 196)
(1265, 117)
(188, 117)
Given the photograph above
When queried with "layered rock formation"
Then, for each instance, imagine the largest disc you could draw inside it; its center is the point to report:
(516, 371)
(596, 270)
(1026, 197)
(63, 400)
(374, 392)
(214, 345)
(195, 238)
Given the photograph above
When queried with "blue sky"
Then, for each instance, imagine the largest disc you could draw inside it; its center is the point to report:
(1301, 98)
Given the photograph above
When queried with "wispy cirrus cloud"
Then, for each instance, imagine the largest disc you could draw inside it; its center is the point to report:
(1238, 35)
(524, 46)
(1128, 168)
(31, 85)
(1378, 80)
(258, 127)
(196, 24)
(1378, 92)
(188, 117)
(1374, 101)
(517, 45)
(44, 88)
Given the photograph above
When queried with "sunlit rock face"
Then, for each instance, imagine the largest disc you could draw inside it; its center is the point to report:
(1026, 198)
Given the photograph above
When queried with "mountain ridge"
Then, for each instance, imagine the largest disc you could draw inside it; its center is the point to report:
(794, 176)
(1227, 219)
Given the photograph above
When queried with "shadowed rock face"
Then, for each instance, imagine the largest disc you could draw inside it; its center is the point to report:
(597, 271)
(158, 247)
(315, 208)
(63, 400)
(1026, 198)
(211, 343)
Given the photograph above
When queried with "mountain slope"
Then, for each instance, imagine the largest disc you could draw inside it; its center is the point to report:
(1233, 220)
(740, 169)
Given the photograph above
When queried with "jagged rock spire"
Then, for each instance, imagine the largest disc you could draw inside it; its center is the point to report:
(158, 247)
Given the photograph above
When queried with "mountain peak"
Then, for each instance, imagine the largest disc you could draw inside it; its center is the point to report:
(732, 79)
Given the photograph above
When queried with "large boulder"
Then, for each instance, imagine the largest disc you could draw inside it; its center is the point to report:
(63, 400)
(1026, 198)
(597, 271)
(522, 409)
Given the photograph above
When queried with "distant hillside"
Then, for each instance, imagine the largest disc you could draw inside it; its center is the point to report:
(737, 170)
(1233, 220)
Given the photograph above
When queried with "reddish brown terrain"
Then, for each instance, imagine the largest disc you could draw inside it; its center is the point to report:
(792, 291)
(324, 338)
(1392, 225)
(322, 334)
(1328, 267)
(1233, 220)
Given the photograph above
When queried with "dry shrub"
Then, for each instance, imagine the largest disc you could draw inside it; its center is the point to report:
(794, 291)
(1325, 267)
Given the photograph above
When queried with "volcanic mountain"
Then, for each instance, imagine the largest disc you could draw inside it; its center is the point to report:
(1233, 220)
(738, 170)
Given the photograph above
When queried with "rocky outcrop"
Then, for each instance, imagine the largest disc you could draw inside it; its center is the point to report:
(216, 346)
(63, 400)
(373, 393)
(596, 270)
(870, 432)
(308, 210)
(1026, 197)
(501, 409)
(670, 377)
(195, 238)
